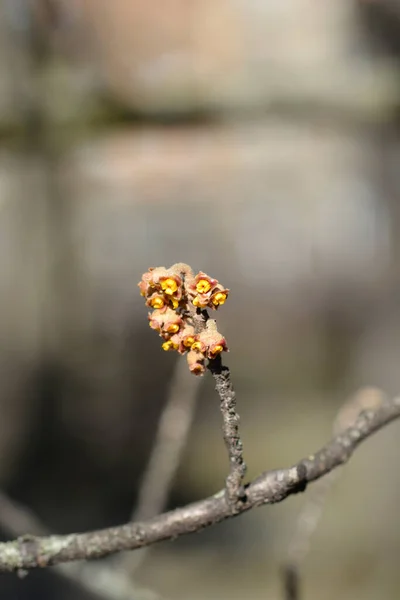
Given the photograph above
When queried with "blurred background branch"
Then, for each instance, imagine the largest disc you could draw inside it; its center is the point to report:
(366, 399)
(169, 443)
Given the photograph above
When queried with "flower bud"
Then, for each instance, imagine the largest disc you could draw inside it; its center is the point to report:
(196, 362)
(218, 297)
(172, 322)
(156, 319)
(211, 341)
(156, 301)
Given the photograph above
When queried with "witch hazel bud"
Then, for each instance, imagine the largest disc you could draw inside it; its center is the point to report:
(211, 341)
(170, 285)
(172, 322)
(156, 301)
(156, 319)
(175, 295)
(167, 280)
(146, 285)
(171, 344)
(200, 302)
(196, 362)
(199, 345)
(203, 284)
(187, 337)
(218, 297)
(204, 291)
(200, 289)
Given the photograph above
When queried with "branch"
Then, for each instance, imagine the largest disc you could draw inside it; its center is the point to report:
(311, 513)
(171, 437)
(230, 429)
(29, 552)
(170, 441)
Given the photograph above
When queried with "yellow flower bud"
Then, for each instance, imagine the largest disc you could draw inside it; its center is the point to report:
(174, 302)
(219, 298)
(169, 346)
(217, 350)
(197, 368)
(169, 286)
(197, 346)
(189, 341)
(203, 286)
(196, 363)
(157, 302)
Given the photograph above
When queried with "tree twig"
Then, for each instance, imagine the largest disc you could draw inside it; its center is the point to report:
(291, 583)
(29, 552)
(311, 513)
(307, 523)
(230, 428)
(170, 441)
(171, 438)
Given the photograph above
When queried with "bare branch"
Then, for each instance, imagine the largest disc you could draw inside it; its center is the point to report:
(291, 583)
(29, 552)
(170, 441)
(311, 513)
(230, 428)
(306, 525)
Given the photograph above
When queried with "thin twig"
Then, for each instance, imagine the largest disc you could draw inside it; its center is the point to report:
(230, 428)
(29, 552)
(307, 523)
(171, 437)
(291, 583)
(170, 441)
(311, 513)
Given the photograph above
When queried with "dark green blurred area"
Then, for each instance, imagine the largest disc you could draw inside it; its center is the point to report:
(257, 141)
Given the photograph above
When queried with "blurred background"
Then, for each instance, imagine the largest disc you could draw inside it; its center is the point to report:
(259, 141)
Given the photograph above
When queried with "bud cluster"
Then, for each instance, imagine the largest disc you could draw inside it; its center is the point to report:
(176, 295)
